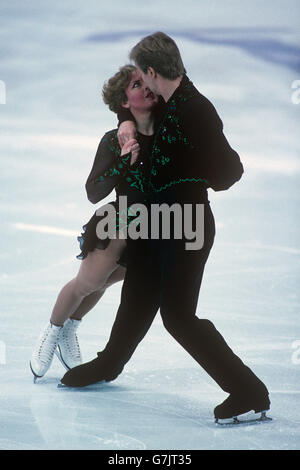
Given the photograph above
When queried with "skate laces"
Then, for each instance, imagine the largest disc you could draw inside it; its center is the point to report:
(70, 341)
(47, 346)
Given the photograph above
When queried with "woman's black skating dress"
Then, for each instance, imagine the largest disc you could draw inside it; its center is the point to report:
(113, 171)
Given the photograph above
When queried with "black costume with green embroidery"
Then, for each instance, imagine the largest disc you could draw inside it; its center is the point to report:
(189, 154)
(190, 150)
(112, 171)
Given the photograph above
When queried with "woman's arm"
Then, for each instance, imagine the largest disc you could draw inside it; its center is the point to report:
(106, 172)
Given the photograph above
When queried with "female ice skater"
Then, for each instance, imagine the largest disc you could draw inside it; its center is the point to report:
(103, 260)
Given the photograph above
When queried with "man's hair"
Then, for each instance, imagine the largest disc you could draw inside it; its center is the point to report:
(160, 52)
(113, 92)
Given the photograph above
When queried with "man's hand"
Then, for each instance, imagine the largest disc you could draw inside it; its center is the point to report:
(133, 147)
(126, 132)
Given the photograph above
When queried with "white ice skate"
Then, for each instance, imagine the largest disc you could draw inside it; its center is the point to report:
(68, 350)
(43, 353)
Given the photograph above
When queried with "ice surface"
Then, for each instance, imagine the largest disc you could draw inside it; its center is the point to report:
(54, 60)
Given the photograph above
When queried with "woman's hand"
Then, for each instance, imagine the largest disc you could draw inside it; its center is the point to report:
(126, 132)
(133, 147)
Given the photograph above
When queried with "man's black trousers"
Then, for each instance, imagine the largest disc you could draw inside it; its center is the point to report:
(163, 274)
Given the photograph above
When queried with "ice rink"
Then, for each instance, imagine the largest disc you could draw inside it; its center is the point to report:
(55, 58)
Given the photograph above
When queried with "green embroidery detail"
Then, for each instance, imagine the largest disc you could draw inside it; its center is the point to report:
(124, 219)
(135, 177)
(113, 143)
(169, 132)
(181, 180)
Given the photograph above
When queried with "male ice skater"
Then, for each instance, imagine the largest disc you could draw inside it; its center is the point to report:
(190, 153)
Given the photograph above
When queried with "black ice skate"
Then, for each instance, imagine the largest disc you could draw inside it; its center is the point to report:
(88, 374)
(235, 405)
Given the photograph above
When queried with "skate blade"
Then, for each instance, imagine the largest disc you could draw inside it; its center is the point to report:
(60, 385)
(35, 377)
(58, 355)
(66, 387)
(235, 421)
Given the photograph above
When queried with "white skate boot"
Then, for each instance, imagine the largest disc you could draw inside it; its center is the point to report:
(68, 350)
(43, 353)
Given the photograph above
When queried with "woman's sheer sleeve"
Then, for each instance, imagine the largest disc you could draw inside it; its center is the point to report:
(106, 172)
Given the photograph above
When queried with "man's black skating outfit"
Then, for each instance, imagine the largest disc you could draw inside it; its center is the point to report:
(190, 153)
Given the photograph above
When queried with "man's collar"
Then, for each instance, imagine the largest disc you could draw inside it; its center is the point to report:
(184, 82)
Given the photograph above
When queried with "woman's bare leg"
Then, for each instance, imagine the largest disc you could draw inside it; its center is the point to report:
(94, 273)
(116, 276)
(91, 300)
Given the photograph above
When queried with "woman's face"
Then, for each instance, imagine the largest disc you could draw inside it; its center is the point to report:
(139, 97)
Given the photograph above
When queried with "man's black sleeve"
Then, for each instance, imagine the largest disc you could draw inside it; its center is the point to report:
(125, 115)
(106, 172)
(220, 164)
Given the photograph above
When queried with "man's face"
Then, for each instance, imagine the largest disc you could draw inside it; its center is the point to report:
(149, 81)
